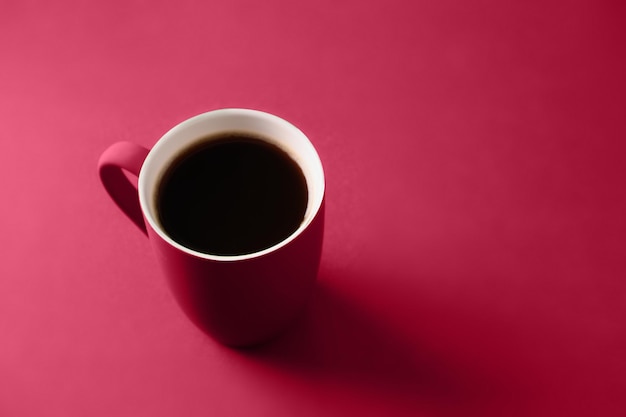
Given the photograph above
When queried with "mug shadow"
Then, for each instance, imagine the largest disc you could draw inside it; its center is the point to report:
(340, 340)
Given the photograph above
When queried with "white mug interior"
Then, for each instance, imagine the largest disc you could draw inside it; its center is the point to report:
(209, 125)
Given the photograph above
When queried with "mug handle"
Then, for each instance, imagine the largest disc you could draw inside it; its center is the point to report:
(129, 157)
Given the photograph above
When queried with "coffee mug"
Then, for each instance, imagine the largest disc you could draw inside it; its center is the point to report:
(238, 299)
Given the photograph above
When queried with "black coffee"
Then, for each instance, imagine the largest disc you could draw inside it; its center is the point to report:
(232, 195)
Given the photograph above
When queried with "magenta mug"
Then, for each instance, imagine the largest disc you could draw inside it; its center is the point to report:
(239, 300)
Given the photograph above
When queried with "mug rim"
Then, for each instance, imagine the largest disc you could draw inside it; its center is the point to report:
(146, 193)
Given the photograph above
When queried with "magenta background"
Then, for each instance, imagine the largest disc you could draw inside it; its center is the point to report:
(475, 254)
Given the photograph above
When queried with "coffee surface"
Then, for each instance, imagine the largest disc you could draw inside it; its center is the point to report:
(232, 195)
